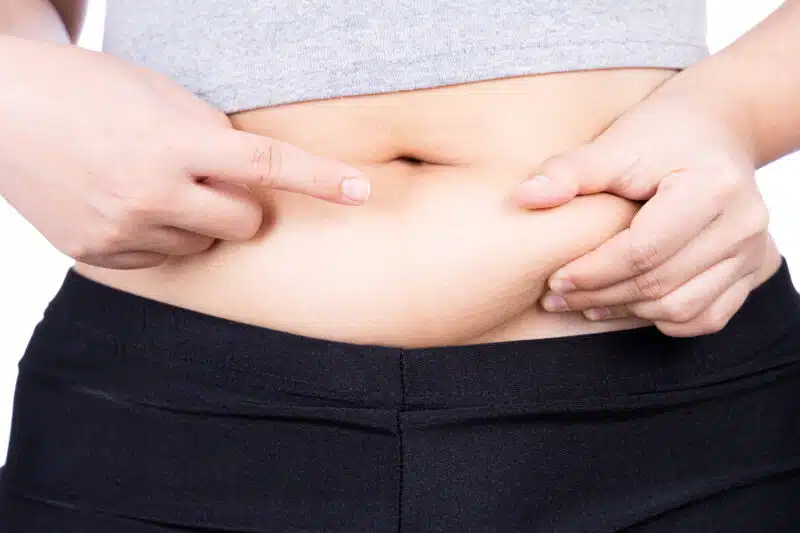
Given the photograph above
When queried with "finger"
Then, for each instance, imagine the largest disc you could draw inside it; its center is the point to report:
(607, 313)
(596, 166)
(175, 241)
(716, 316)
(557, 303)
(259, 161)
(214, 209)
(727, 235)
(664, 225)
(126, 260)
(693, 297)
(543, 191)
(560, 178)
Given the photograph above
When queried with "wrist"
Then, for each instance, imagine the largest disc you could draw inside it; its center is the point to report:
(713, 89)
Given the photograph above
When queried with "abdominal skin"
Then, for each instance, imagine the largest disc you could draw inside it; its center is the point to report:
(449, 258)
(438, 255)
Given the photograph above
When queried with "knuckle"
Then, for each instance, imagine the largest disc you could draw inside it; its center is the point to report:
(633, 292)
(715, 322)
(641, 257)
(578, 302)
(123, 202)
(109, 238)
(626, 180)
(680, 311)
(671, 180)
(105, 239)
(77, 250)
(649, 286)
(145, 204)
(758, 219)
(631, 176)
(267, 164)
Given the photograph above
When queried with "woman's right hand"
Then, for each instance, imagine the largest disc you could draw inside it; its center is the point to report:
(119, 167)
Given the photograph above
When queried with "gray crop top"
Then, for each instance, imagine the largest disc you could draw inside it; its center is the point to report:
(241, 54)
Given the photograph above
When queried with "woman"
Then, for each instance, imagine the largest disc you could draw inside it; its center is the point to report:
(255, 338)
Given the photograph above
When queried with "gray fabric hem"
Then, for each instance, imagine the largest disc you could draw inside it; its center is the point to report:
(382, 76)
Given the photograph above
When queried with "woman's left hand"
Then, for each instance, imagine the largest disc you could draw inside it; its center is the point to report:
(689, 258)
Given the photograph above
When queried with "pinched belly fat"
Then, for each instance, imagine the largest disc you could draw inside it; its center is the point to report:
(445, 262)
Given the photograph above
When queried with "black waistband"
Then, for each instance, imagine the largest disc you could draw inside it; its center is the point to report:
(103, 322)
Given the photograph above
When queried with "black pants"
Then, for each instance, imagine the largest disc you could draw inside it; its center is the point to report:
(132, 416)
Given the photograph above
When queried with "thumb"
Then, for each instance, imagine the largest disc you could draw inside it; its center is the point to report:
(590, 168)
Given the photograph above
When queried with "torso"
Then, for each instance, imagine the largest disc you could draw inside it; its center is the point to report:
(438, 255)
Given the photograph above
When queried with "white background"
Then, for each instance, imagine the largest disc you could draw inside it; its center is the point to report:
(31, 270)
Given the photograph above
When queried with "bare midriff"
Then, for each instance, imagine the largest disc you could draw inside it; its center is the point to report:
(438, 255)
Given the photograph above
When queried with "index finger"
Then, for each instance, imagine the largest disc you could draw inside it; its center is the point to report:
(663, 226)
(259, 161)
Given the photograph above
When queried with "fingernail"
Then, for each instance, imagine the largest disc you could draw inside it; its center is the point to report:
(560, 283)
(597, 313)
(554, 303)
(355, 189)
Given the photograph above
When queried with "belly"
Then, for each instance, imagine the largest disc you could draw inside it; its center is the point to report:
(438, 255)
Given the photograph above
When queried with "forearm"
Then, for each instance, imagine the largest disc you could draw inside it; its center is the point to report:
(754, 84)
(59, 20)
